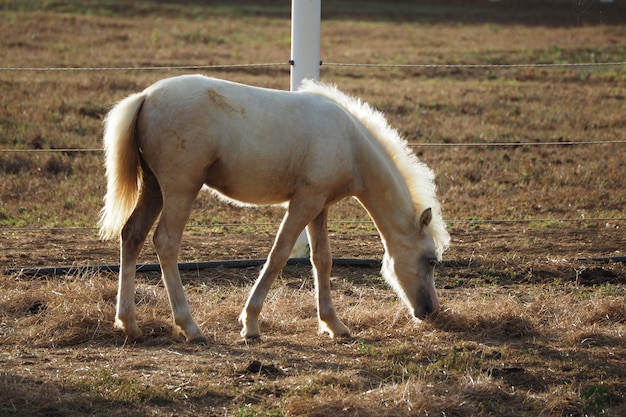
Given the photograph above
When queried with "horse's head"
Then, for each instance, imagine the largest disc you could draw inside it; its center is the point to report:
(410, 269)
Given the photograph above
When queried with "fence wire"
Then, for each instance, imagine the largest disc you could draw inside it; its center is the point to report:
(150, 68)
(336, 64)
(479, 66)
(276, 224)
(411, 145)
(328, 64)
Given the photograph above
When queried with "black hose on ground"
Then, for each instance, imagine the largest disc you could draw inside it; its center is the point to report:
(244, 263)
(185, 266)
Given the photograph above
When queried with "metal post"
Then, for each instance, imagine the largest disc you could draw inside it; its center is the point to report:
(305, 63)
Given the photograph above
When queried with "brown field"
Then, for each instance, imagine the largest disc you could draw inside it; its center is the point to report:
(530, 325)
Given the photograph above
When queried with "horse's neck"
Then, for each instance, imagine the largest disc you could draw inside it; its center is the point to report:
(386, 197)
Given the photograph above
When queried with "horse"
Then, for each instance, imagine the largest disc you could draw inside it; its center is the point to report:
(256, 146)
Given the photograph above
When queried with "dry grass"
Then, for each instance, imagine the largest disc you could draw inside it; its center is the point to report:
(520, 350)
(526, 329)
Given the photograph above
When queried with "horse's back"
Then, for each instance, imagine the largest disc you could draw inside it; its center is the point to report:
(252, 144)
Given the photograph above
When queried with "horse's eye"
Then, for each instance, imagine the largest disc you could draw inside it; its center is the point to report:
(433, 262)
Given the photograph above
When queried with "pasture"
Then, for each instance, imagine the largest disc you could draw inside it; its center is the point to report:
(530, 324)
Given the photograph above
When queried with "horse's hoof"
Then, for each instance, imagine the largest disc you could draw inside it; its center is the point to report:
(135, 340)
(200, 340)
(250, 332)
(250, 335)
(340, 330)
(135, 337)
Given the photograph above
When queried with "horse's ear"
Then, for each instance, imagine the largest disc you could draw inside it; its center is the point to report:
(425, 218)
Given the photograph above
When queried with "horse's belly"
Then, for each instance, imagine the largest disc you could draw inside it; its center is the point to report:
(250, 187)
(254, 197)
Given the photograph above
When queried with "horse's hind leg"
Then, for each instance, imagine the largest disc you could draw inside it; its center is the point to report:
(133, 237)
(322, 263)
(167, 238)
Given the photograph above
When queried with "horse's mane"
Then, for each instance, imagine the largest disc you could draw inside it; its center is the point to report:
(420, 179)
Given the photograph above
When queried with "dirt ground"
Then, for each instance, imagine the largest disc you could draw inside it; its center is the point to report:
(475, 246)
(85, 368)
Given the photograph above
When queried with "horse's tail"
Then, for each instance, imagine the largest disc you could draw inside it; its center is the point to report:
(123, 165)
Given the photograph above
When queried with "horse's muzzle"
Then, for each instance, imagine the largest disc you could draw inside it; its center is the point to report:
(425, 312)
(429, 307)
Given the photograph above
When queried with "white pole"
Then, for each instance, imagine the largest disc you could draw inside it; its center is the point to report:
(305, 63)
(305, 41)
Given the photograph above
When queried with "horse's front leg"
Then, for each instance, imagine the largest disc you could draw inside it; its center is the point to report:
(296, 218)
(322, 264)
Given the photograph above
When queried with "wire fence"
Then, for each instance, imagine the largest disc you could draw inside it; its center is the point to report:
(328, 64)
(411, 145)
(219, 226)
(339, 64)
(147, 68)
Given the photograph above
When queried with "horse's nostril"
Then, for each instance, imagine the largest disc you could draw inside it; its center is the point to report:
(426, 311)
(421, 312)
(433, 313)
